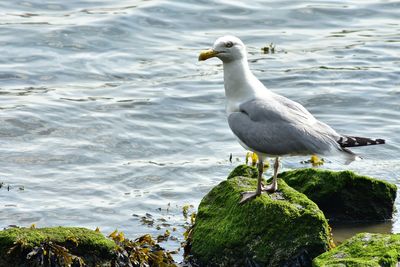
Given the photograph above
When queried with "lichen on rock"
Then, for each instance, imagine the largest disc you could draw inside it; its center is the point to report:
(363, 250)
(344, 196)
(280, 229)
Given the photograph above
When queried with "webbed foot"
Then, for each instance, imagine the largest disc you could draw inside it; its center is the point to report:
(247, 196)
(271, 188)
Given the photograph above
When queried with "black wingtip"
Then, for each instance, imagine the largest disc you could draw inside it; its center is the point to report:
(352, 141)
(380, 141)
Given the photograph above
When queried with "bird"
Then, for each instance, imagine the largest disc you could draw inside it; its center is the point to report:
(269, 124)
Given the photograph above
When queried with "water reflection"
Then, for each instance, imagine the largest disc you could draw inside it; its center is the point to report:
(344, 231)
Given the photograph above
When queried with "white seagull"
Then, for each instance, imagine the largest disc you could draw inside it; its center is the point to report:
(269, 124)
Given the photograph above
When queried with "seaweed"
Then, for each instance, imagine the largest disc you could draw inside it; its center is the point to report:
(79, 247)
(143, 251)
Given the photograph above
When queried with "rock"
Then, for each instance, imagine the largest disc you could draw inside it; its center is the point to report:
(78, 247)
(344, 196)
(363, 250)
(245, 171)
(16, 243)
(281, 229)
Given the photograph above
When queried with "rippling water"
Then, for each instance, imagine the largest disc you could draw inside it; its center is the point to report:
(105, 111)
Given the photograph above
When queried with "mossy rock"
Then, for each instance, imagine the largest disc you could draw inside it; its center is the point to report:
(363, 250)
(91, 246)
(245, 171)
(281, 229)
(344, 196)
(78, 247)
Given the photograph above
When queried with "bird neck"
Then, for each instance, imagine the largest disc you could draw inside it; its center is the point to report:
(240, 83)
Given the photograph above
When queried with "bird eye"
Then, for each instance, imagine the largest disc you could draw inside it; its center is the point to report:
(229, 44)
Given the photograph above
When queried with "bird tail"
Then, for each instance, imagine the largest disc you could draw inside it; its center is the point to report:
(352, 141)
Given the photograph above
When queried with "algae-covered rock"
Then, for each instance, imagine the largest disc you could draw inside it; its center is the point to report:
(78, 247)
(363, 250)
(72, 243)
(244, 170)
(281, 229)
(344, 196)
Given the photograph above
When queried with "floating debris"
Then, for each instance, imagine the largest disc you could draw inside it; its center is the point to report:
(193, 218)
(172, 227)
(147, 220)
(185, 210)
(269, 49)
(188, 237)
(314, 160)
(253, 157)
(164, 237)
(143, 251)
(254, 160)
(9, 187)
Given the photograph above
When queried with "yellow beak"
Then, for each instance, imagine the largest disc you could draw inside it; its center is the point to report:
(206, 54)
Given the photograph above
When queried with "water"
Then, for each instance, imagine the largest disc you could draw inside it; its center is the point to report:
(105, 111)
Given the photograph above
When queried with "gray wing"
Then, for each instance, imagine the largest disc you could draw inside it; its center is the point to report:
(281, 128)
(302, 113)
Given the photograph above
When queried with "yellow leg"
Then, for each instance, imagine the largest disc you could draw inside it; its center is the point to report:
(274, 185)
(247, 196)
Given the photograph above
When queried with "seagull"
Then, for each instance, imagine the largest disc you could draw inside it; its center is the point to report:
(271, 125)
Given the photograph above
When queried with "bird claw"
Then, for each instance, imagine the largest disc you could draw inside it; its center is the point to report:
(247, 196)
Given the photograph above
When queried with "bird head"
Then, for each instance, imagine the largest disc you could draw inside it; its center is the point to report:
(227, 48)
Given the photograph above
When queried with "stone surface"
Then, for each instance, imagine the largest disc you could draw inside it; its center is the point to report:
(281, 229)
(363, 250)
(16, 243)
(344, 196)
(78, 247)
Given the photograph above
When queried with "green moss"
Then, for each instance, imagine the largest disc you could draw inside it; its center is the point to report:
(363, 250)
(271, 230)
(79, 241)
(344, 196)
(244, 170)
